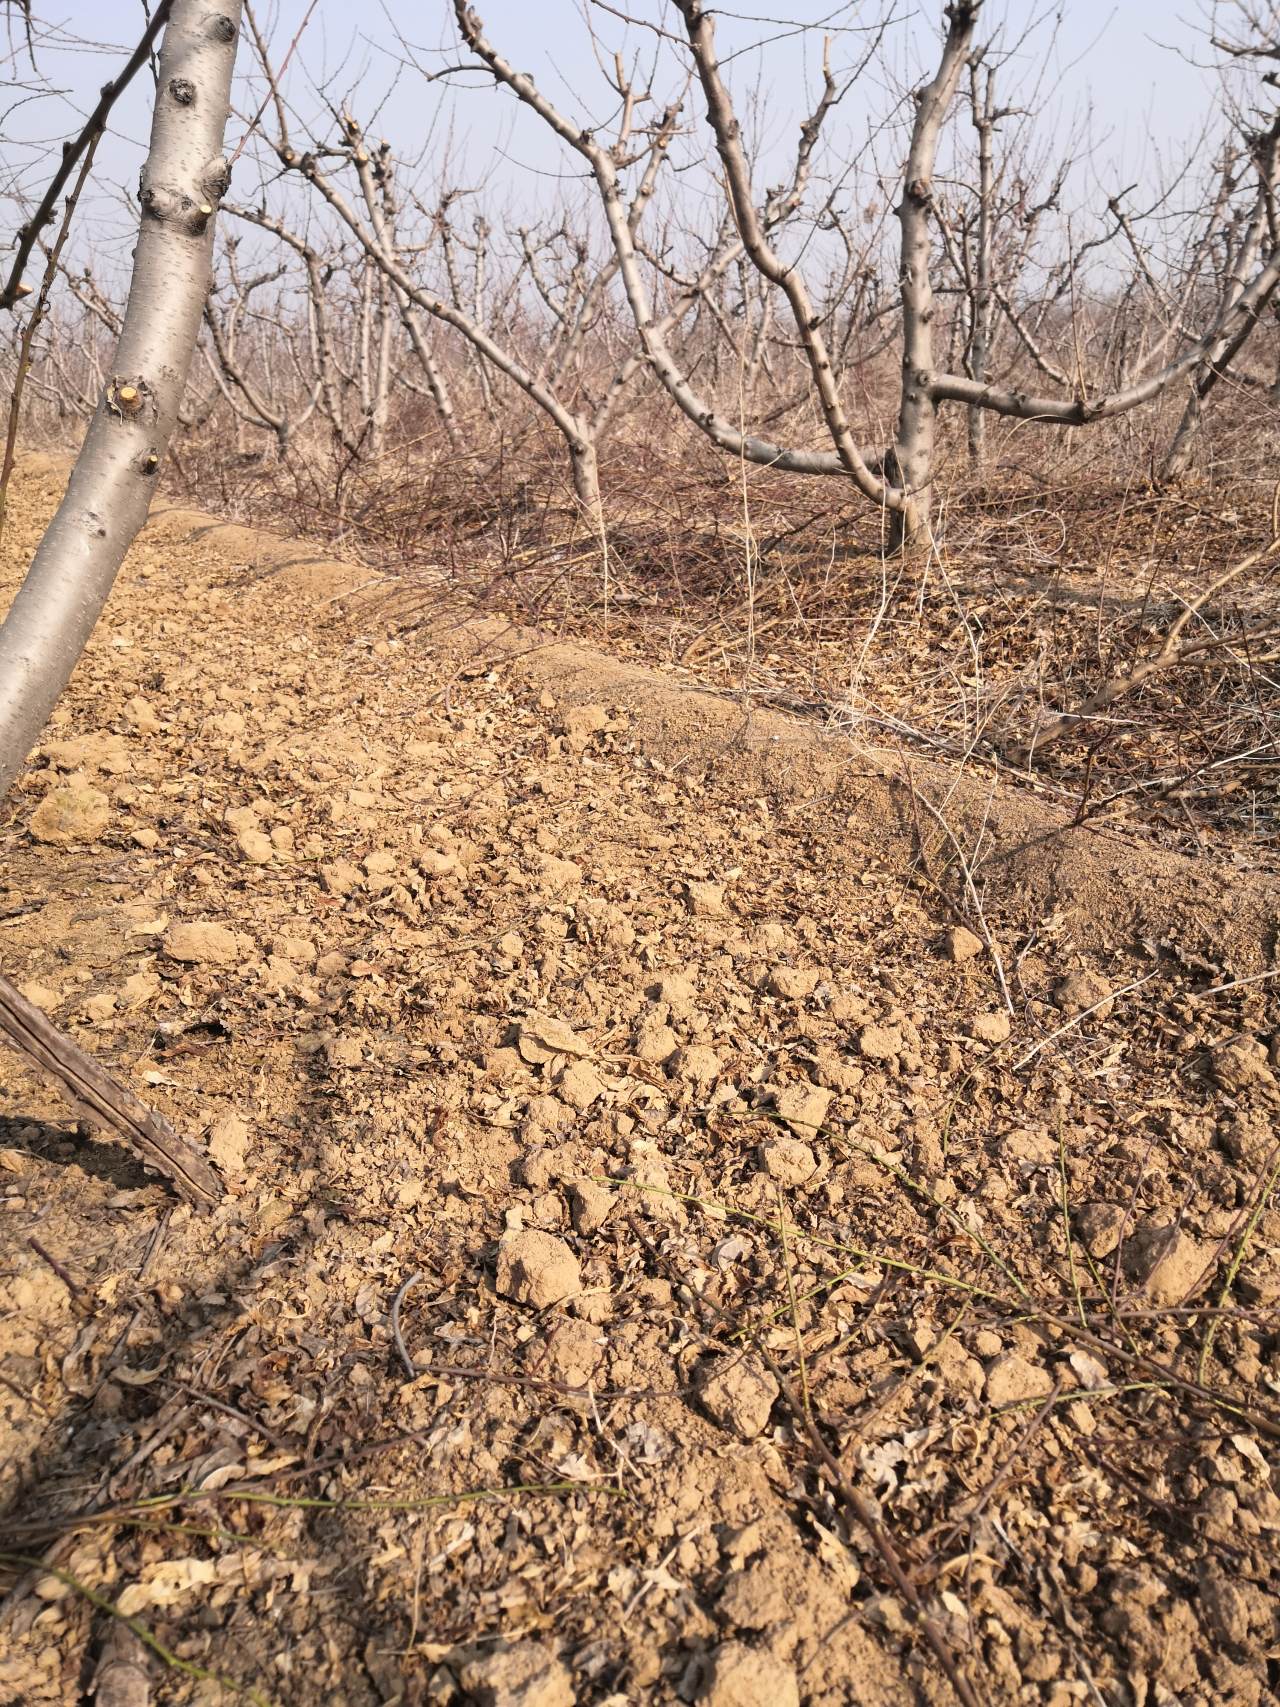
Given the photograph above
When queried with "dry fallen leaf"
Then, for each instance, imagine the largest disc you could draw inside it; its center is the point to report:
(575, 1467)
(166, 1583)
(1090, 1371)
(543, 1037)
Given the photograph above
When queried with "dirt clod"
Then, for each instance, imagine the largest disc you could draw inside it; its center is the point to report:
(788, 1160)
(75, 812)
(202, 942)
(580, 1085)
(590, 1205)
(255, 847)
(580, 723)
(794, 983)
(542, 1037)
(1225, 1605)
(537, 1268)
(1079, 991)
(527, 1674)
(654, 1040)
(880, 1043)
(1100, 1226)
(803, 1107)
(1012, 1379)
(738, 1392)
(995, 1027)
(740, 1676)
(706, 900)
(1164, 1260)
(229, 1144)
(698, 1063)
(960, 944)
(559, 877)
(1241, 1065)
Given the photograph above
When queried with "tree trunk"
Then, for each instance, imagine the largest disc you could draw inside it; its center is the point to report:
(110, 489)
(1261, 227)
(910, 529)
(1178, 457)
(982, 302)
(434, 375)
(382, 368)
(912, 453)
(586, 479)
(910, 463)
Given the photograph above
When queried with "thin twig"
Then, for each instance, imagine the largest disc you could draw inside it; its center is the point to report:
(1264, 1199)
(861, 1509)
(792, 1303)
(34, 321)
(61, 1272)
(1076, 1019)
(978, 913)
(12, 290)
(280, 1444)
(410, 1367)
(1015, 1457)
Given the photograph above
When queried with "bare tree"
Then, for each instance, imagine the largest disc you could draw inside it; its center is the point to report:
(912, 456)
(324, 367)
(1255, 155)
(989, 222)
(755, 233)
(553, 381)
(900, 478)
(270, 404)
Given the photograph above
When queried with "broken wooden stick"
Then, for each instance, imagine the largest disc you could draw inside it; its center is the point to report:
(102, 1099)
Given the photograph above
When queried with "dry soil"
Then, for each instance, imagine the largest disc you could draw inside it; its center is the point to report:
(682, 1235)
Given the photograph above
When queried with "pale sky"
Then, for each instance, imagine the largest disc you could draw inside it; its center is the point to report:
(1131, 65)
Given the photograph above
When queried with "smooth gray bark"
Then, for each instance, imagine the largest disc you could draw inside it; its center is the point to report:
(115, 474)
(982, 303)
(911, 459)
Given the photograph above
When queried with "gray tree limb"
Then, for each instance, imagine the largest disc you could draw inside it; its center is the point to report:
(14, 289)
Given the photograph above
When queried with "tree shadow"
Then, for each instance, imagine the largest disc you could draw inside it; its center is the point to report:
(76, 1143)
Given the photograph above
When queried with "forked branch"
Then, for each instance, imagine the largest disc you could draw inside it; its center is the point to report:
(14, 289)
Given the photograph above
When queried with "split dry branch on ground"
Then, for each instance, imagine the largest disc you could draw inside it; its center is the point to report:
(103, 1099)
